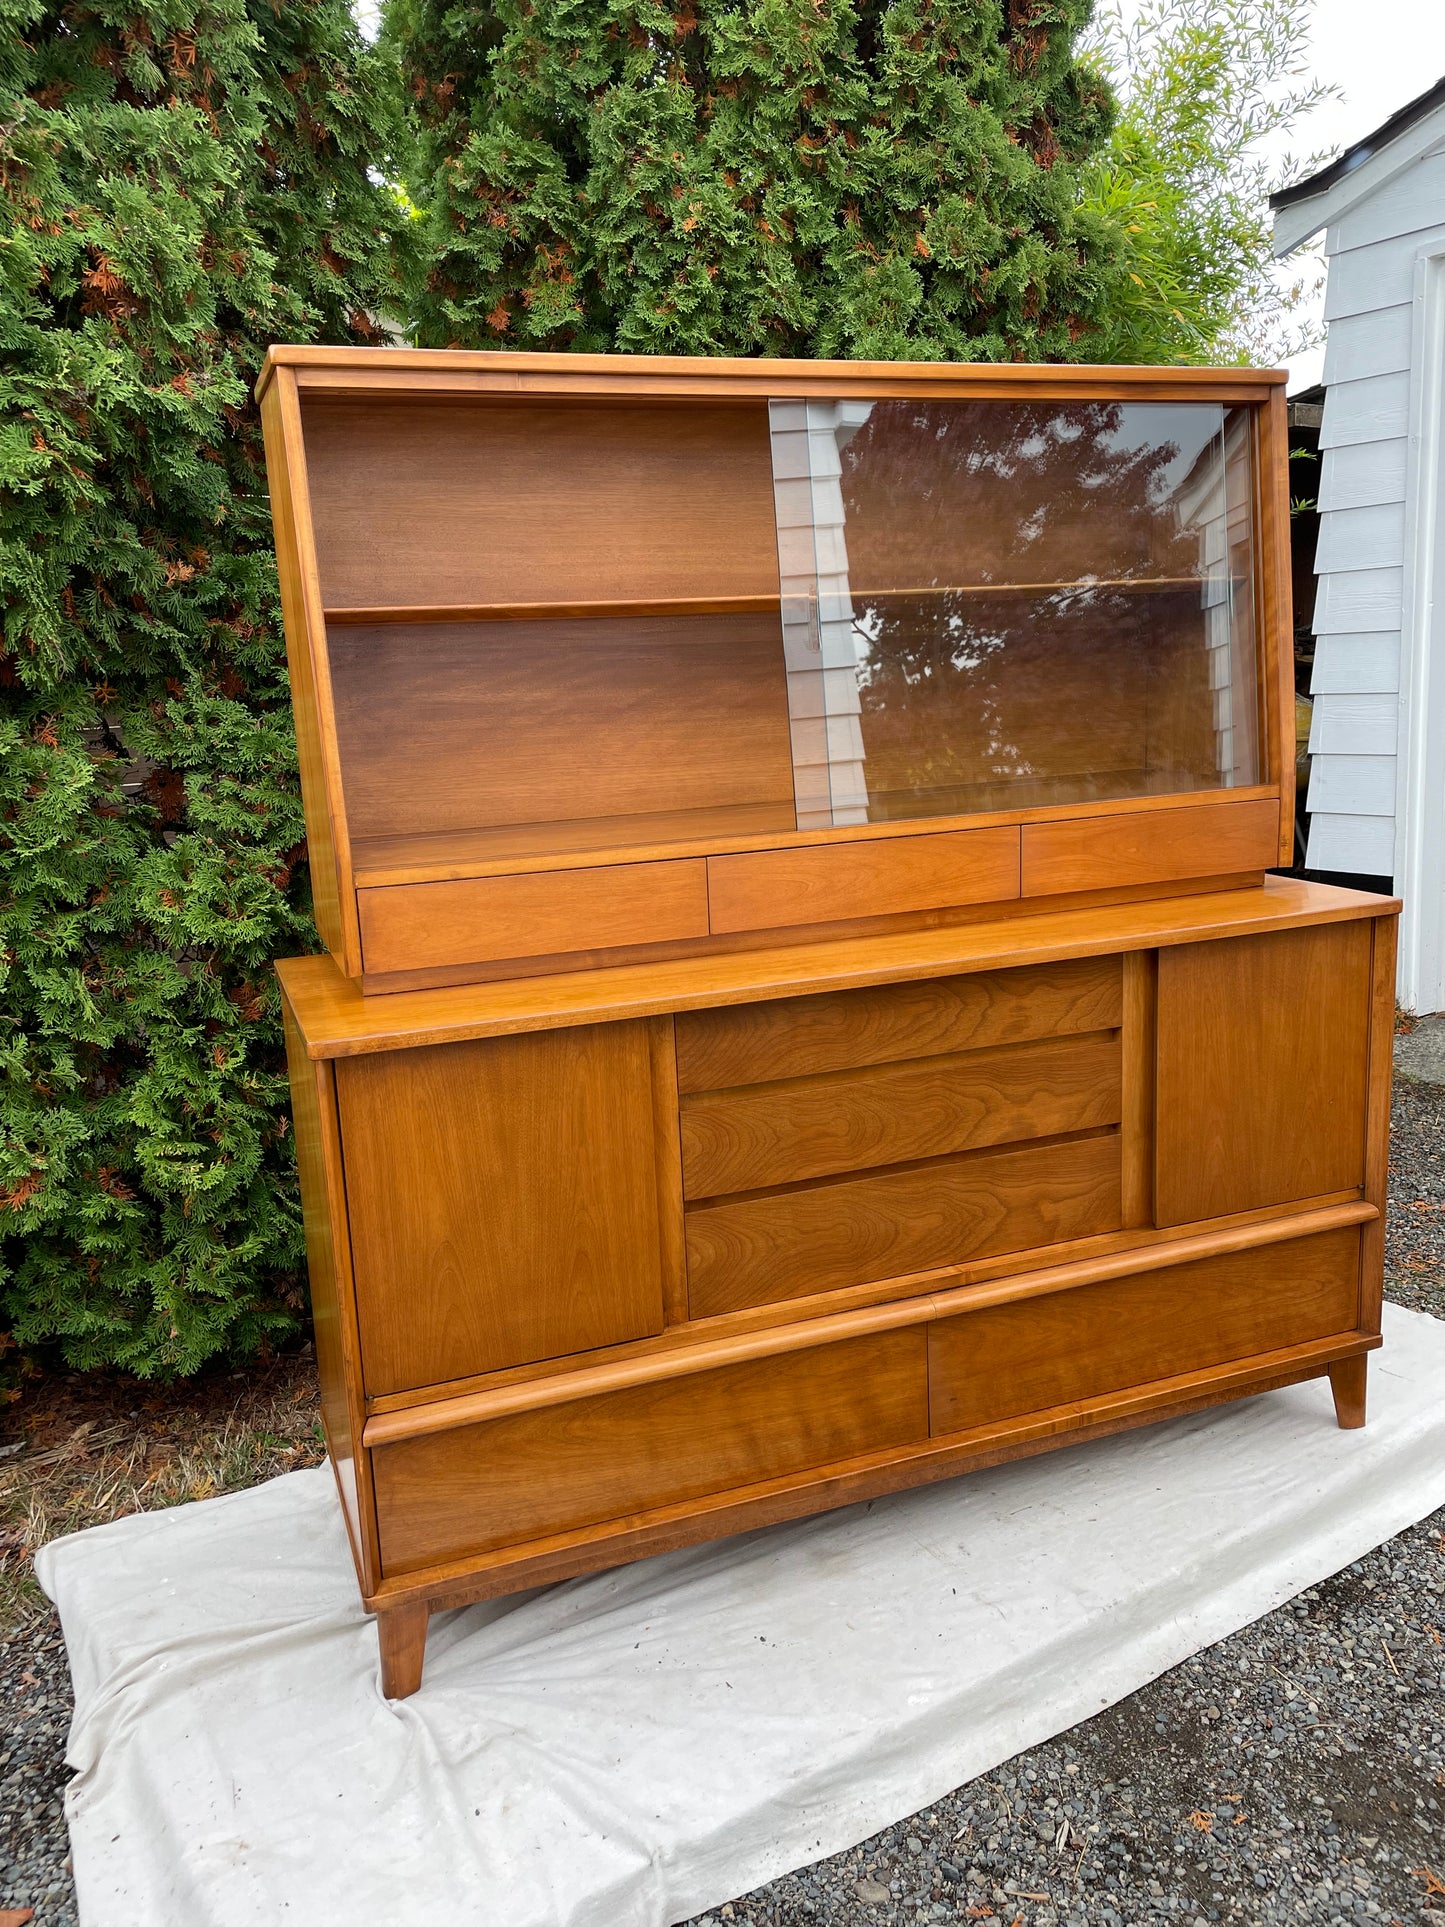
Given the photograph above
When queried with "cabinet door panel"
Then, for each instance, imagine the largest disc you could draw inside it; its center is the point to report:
(1263, 1052)
(503, 1201)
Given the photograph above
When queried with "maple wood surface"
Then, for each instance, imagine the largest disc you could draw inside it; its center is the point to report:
(542, 1472)
(1096, 852)
(824, 881)
(1263, 1049)
(413, 925)
(811, 1127)
(1348, 1382)
(401, 1639)
(502, 1201)
(1013, 1359)
(819, 1237)
(765, 1332)
(508, 501)
(843, 1030)
(529, 722)
(338, 1021)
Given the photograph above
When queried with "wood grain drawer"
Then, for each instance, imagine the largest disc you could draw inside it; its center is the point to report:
(764, 1249)
(1155, 846)
(812, 1127)
(832, 882)
(449, 1494)
(423, 926)
(1012, 1359)
(843, 1029)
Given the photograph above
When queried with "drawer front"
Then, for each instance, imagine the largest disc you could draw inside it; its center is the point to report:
(852, 1231)
(1263, 1058)
(826, 883)
(846, 1029)
(1155, 846)
(564, 1467)
(423, 926)
(810, 1127)
(503, 1201)
(1014, 1359)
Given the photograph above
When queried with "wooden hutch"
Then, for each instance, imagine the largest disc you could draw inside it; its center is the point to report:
(805, 1012)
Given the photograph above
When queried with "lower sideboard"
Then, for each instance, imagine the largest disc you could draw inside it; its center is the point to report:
(607, 1265)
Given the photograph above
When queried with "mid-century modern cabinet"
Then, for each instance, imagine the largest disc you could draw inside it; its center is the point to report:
(805, 1012)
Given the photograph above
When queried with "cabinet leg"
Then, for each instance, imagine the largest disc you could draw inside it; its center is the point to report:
(401, 1634)
(1347, 1382)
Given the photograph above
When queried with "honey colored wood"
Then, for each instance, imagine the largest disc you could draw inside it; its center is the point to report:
(338, 1021)
(591, 1549)
(333, 1310)
(579, 842)
(1078, 1345)
(941, 1293)
(521, 916)
(326, 830)
(1263, 1053)
(536, 501)
(401, 1637)
(447, 612)
(1140, 999)
(394, 370)
(472, 1490)
(1384, 934)
(770, 1246)
(667, 1148)
(843, 1030)
(1095, 853)
(529, 722)
(1348, 1378)
(503, 1201)
(1274, 597)
(854, 1120)
(817, 883)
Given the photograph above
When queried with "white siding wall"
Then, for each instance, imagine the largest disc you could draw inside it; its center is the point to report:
(1370, 306)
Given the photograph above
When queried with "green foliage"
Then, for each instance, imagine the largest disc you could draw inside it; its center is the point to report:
(1203, 83)
(184, 181)
(884, 178)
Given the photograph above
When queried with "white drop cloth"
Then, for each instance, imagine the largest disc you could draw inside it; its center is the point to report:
(629, 1749)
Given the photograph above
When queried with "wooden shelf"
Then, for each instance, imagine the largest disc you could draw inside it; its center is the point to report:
(738, 604)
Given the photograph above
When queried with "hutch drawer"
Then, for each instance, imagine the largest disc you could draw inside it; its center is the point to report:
(842, 881)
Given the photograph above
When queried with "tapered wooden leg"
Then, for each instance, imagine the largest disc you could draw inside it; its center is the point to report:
(1347, 1382)
(401, 1634)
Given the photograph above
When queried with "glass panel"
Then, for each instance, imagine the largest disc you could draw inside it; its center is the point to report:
(994, 605)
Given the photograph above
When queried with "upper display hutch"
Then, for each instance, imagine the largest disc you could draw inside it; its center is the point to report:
(601, 658)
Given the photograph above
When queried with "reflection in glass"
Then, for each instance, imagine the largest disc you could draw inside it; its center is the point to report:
(991, 606)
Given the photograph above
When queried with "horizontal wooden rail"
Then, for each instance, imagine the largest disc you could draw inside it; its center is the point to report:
(475, 1408)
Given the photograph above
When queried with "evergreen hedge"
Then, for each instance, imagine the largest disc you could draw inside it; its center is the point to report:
(182, 182)
(876, 178)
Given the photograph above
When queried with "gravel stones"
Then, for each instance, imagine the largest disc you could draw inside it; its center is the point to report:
(35, 1708)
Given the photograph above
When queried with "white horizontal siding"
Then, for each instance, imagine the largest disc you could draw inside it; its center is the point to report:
(1349, 665)
(1353, 785)
(1359, 845)
(1380, 274)
(1377, 409)
(1415, 199)
(1355, 725)
(1374, 343)
(1364, 473)
(1356, 602)
(1365, 539)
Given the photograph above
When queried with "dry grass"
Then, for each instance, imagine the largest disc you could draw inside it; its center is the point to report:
(95, 1447)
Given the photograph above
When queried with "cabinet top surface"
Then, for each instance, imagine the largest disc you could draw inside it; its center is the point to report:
(427, 368)
(337, 1020)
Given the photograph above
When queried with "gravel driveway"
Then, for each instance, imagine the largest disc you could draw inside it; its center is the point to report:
(1294, 1772)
